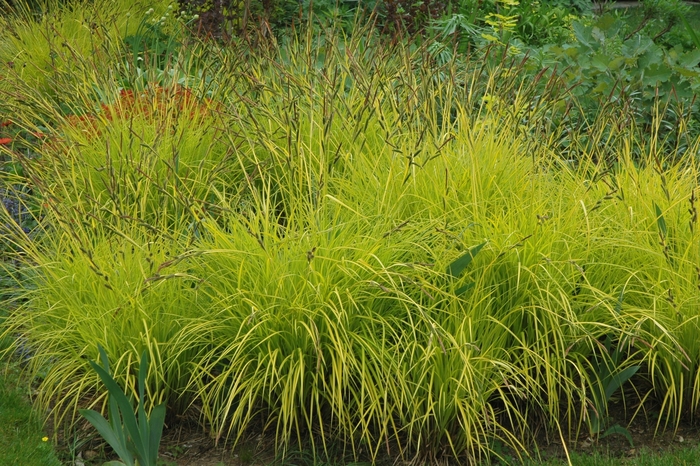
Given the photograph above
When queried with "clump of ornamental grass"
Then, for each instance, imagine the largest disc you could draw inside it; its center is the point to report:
(534, 288)
(401, 262)
(69, 50)
(118, 182)
(52, 43)
(117, 195)
(149, 158)
(108, 293)
(117, 142)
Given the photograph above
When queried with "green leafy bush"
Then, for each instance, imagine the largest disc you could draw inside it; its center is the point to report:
(231, 18)
(652, 85)
(533, 23)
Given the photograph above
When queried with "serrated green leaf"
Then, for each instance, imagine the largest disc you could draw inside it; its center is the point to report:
(616, 63)
(609, 24)
(650, 57)
(692, 73)
(690, 59)
(600, 61)
(636, 46)
(604, 86)
(656, 73)
(582, 33)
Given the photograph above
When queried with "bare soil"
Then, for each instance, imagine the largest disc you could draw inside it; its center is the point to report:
(187, 445)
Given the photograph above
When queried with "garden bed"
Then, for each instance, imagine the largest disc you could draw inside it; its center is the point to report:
(421, 250)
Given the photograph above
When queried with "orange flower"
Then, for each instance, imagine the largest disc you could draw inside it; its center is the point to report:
(151, 105)
(5, 123)
(4, 141)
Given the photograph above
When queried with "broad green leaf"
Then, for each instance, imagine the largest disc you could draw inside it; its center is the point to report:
(571, 52)
(656, 73)
(582, 33)
(604, 86)
(620, 299)
(690, 59)
(600, 61)
(636, 46)
(107, 433)
(104, 358)
(609, 25)
(457, 266)
(127, 411)
(155, 427)
(618, 379)
(683, 90)
(595, 423)
(691, 32)
(617, 62)
(598, 34)
(618, 429)
(115, 420)
(660, 221)
(144, 454)
(464, 289)
(650, 57)
(693, 73)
